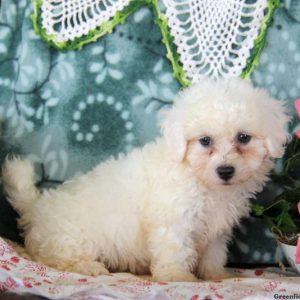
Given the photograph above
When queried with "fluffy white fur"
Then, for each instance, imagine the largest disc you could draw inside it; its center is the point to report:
(163, 208)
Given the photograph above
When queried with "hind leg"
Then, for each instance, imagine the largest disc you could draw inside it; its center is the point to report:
(65, 253)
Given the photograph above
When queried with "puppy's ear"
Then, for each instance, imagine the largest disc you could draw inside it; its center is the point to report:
(277, 134)
(172, 132)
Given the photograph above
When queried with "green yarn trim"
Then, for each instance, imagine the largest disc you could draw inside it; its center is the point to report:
(93, 35)
(260, 41)
(168, 40)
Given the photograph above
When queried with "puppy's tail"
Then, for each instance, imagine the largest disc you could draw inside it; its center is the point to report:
(18, 181)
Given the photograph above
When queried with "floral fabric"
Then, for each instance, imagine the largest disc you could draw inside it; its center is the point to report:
(20, 275)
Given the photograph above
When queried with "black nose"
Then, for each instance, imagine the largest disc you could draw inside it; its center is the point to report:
(225, 172)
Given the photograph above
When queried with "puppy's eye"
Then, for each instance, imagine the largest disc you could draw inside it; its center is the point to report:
(205, 141)
(243, 138)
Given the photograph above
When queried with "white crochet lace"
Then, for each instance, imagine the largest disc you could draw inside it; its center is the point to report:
(69, 19)
(214, 37)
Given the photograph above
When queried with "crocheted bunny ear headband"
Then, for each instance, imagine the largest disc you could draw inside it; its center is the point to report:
(202, 37)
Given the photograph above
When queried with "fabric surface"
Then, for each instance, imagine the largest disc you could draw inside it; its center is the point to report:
(20, 275)
(67, 111)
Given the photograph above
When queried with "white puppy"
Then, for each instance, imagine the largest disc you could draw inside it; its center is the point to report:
(169, 207)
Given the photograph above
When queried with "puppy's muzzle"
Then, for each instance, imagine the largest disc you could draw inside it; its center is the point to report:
(225, 172)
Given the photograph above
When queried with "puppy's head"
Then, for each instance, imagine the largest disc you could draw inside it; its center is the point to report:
(226, 131)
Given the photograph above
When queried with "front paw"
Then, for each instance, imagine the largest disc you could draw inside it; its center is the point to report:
(174, 277)
(216, 275)
(90, 268)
